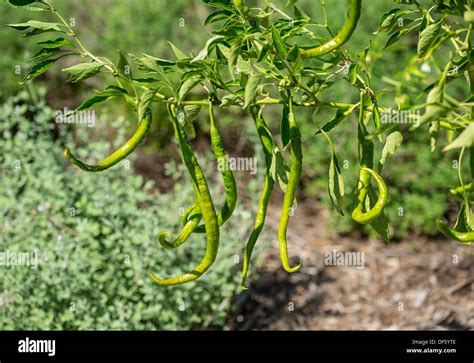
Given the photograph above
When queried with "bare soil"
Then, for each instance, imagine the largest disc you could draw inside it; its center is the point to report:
(407, 285)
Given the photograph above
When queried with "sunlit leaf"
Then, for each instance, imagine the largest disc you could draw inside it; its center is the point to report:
(82, 71)
(393, 142)
(38, 69)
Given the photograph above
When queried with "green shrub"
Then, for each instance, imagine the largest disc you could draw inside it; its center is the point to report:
(95, 237)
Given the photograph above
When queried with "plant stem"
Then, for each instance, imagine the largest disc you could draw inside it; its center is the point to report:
(72, 33)
(264, 101)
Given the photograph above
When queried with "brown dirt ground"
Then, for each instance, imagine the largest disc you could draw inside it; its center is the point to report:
(407, 285)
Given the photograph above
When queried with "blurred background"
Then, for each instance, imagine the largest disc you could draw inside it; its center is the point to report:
(95, 235)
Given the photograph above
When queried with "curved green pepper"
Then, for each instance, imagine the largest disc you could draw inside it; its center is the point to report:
(192, 220)
(230, 185)
(267, 142)
(365, 173)
(362, 189)
(353, 16)
(293, 182)
(204, 200)
(123, 152)
(463, 237)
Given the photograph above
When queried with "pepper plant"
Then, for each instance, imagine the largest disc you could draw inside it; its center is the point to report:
(259, 56)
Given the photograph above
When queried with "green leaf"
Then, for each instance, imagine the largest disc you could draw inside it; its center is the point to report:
(159, 61)
(278, 43)
(434, 108)
(427, 37)
(232, 56)
(192, 112)
(21, 2)
(38, 69)
(469, 16)
(147, 82)
(178, 53)
(225, 4)
(54, 44)
(434, 101)
(294, 54)
(263, 53)
(379, 225)
(112, 91)
(299, 14)
(44, 53)
(123, 67)
(336, 186)
(92, 102)
(30, 6)
(50, 47)
(341, 114)
(244, 66)
(225, 51)
(187, 86)
(469, 218)
(229, 100)
(462, 224)
(147, 64)
(101, 97)
(395, 37)
(82, 71)
(251, 89)
(353, 73)
(205, 51)
(389, 18)
(217, 16)
(186, 122)
(279, 170)
(466, 139)
(39, 25)
(393, 142)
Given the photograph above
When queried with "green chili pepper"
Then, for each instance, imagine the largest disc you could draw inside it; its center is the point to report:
(353, 16)
(204, 200)
(362, 189)
(123, 152)
(463, 237)
(226, 172)
(187, 213)
(267, 142)
(192, 220)
(365, 173)
(293, 182)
